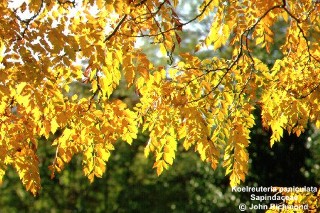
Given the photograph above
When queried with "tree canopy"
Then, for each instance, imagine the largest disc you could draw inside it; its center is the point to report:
(205, 104)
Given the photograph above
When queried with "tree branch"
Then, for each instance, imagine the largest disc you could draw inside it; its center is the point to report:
(116, 28)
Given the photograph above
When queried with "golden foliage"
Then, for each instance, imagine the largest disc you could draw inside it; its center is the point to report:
(204, 104)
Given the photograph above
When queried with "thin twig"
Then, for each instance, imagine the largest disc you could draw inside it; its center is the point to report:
(116, 28)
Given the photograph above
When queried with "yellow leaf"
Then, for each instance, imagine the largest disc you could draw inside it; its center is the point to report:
(259, 40)
(106, 86)
(157, 77)
(168, 157)
(20, 87)
(2, 49)
(127, 138)
(285, 16)
(159, 156)
(23, 100)
(163, 50)
(159, 165)
(91, 177)
(234, 180)
(129, 75)
(94, 85)
(175, 3)
(54, 125)
(103, 154)
(58, 95)
(74, 97)
(2, 173)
